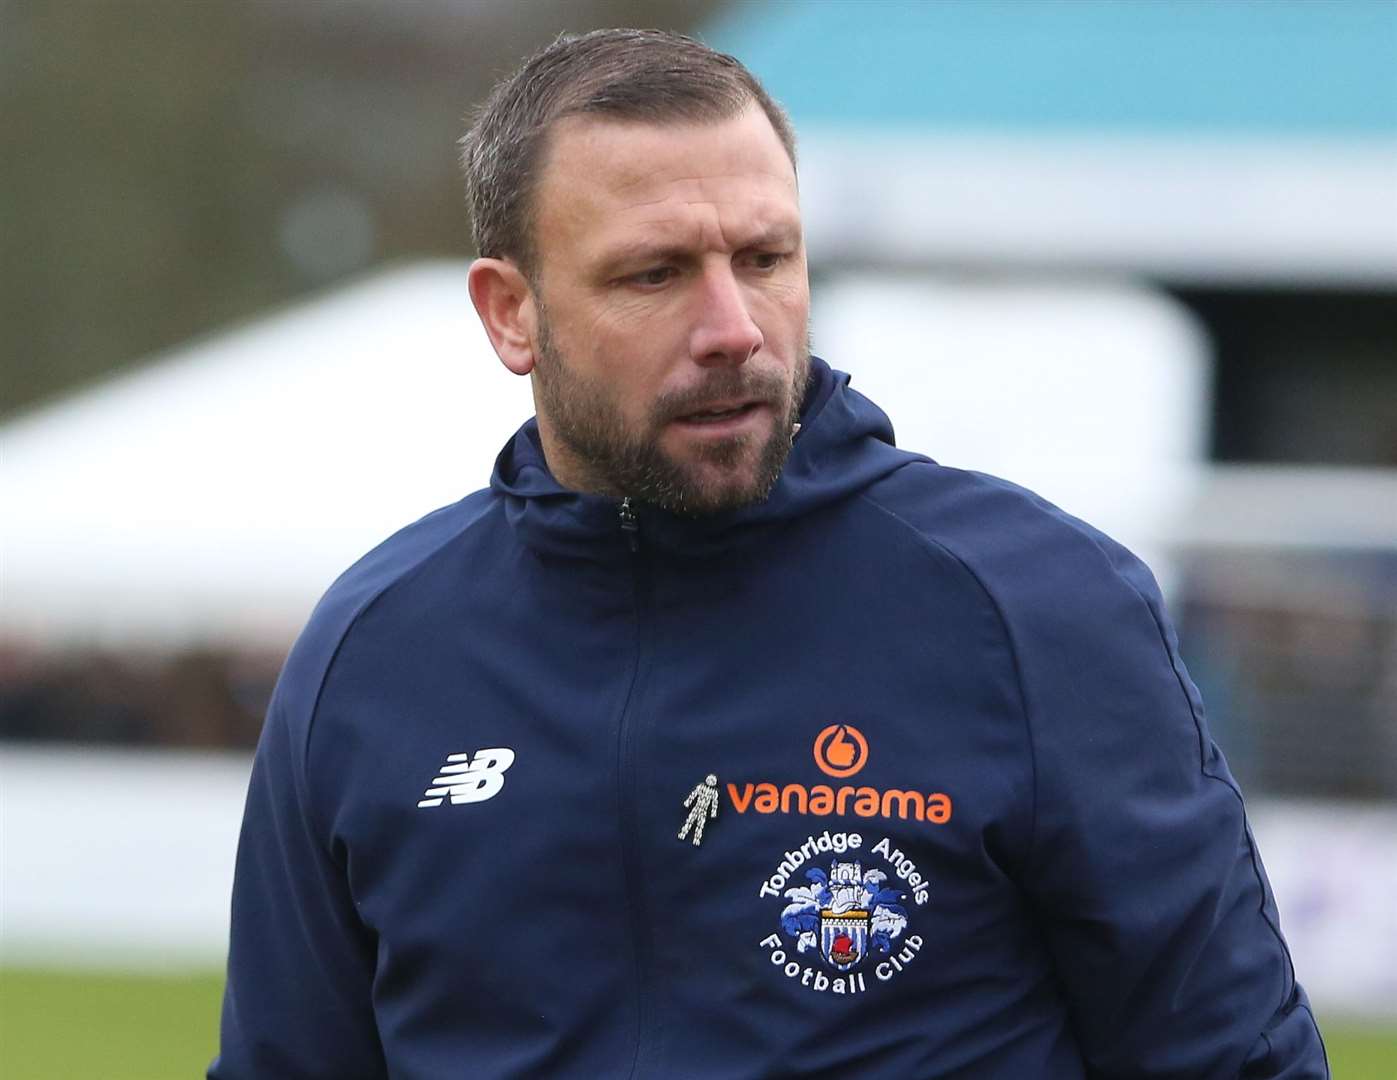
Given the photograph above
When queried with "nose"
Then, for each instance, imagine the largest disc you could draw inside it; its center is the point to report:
(724, 333)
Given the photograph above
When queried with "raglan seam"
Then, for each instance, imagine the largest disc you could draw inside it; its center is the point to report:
(1253, 855)
(319, 828)
(1087, 534)
(937, 546)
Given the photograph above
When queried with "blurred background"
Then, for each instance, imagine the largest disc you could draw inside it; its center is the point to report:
(1140, 256)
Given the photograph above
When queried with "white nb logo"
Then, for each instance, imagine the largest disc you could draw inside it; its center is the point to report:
(468, 780)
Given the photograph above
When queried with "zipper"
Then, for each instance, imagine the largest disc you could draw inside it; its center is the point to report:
(626, 779)
(630, 524)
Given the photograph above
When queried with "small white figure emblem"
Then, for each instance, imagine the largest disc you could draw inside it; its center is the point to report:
(703, 804)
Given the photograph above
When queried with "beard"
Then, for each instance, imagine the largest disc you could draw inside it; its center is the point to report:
(719, 476)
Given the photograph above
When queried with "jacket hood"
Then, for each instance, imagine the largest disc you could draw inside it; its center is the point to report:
(844, 445)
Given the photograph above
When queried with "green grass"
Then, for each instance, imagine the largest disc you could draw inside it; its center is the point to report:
(82, 1026)
(1361, 1052)
(77, 1026)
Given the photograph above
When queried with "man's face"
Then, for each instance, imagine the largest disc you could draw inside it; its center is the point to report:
(672, 310)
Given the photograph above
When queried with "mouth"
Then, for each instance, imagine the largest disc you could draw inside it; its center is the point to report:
(721, 413)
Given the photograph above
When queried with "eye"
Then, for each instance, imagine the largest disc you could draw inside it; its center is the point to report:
(654, 277)
(766, 260)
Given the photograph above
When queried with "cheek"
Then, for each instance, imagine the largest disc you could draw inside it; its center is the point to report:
(623, 313)
(637, 346)
(626, 369)
(784, 310)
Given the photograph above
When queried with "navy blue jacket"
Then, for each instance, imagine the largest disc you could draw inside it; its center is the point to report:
(965, 817)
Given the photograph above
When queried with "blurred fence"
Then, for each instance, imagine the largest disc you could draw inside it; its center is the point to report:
(1295, 652)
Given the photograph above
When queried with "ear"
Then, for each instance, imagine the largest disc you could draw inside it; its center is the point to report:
(505, 303)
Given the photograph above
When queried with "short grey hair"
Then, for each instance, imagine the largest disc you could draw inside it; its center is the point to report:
(651, 76)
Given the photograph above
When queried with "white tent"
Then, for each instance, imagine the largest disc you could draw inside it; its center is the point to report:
(1094, 394)
(215, 493)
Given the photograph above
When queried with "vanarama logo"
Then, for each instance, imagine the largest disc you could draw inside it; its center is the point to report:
(840, 751)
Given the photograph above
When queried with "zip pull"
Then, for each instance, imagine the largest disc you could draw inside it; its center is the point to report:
(630, 524)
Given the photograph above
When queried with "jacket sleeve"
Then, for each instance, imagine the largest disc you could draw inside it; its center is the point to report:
(297, 1004)
(1142, 869)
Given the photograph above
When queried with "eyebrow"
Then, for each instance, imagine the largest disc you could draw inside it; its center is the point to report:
(643, 253)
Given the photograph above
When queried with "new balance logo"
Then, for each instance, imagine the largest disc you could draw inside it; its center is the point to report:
(466, 779)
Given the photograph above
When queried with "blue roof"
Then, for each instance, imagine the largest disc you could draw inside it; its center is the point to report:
(1279, 67)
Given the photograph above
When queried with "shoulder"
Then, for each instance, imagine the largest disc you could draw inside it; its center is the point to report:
(392, 565)
(1043, 568)
(1095, 652)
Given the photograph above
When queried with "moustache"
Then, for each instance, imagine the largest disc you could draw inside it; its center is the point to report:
(768, 388)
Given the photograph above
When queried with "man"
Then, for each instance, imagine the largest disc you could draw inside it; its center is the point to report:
(963, 816)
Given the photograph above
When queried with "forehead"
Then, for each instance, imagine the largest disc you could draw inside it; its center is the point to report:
(606, 181)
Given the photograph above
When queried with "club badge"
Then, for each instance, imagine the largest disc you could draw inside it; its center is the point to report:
(848, 922)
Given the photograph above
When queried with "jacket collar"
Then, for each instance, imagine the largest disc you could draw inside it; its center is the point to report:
(845, 443)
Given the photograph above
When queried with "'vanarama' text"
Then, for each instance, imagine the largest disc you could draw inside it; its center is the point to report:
(822, 799)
